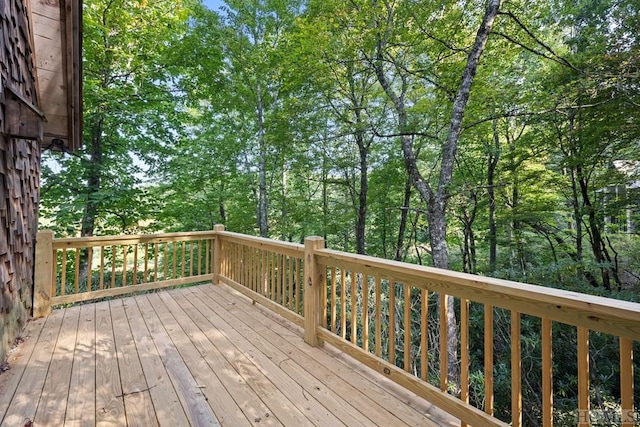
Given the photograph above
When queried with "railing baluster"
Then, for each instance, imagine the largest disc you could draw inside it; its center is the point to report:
(464, 353)
(378, 321)
(290, 265)
(89, 269)
(207, 257)
(333, 300)
(191, 244)
(583, 377)
(392, 322)
(547, 373)
(54, 274)
(488, 359)
(343, 304)
(101, 280)
(113, 267)
(155, 262)
(299, 286)
(165, 263)
(365, 312)
(324, 304)
(146, 263)
(424, 334)
(63, 273)
(354, 308)
(199, 257)
(516, 371)
(626, 382)
(183, 258)
(275, 291)
(125, 250)
(442, 299)
(254, 271)
(77, 272)
(407, 327)
(264, 277)
(279, 279)
(135, 264)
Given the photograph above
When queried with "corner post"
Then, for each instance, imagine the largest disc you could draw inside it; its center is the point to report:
(313, 288)
(43, 274)
(216, 260)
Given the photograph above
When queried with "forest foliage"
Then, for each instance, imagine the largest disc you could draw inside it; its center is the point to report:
(282, 118)
(290, 118)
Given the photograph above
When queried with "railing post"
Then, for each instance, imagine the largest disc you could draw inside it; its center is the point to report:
(216, 260)
(43, 274)
(313, 288)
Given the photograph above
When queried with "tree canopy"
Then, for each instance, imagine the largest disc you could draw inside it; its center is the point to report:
(496, 138)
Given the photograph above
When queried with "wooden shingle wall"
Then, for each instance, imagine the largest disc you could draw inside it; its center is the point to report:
(19, 174)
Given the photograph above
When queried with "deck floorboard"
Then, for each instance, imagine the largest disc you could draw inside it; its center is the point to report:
(195, 356)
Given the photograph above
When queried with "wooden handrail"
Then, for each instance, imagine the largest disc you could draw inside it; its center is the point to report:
(70, 270)
(129, 239)
(615, 317)
(328, 293)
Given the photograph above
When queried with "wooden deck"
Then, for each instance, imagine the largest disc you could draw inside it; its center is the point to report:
(196, 356)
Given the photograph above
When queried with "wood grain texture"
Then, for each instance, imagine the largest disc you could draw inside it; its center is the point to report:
(55, 393)
(194, 352)
(109, 401)
(81, 406)
(135, 389)
(364, 393)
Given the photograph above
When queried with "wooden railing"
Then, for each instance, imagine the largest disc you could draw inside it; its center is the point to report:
(383, 313)
(72, 270)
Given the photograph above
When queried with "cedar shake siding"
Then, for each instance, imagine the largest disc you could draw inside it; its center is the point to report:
(20, 144)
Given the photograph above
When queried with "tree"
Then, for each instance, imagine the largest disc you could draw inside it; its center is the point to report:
(436, 200)
(128, 107)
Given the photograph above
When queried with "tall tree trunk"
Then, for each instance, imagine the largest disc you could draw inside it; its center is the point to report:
(325, 195)
(283, 205)
(494, 157)
(608, 269)
(263, 201)
(94, 183)
(361, 220)
(468, 217)
(437, 201)
(577, 200)
(518, 256)
(94, 177)
(404, 214)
